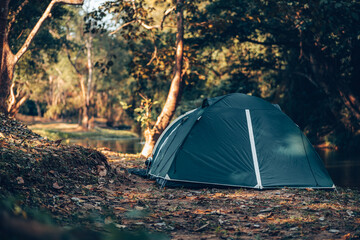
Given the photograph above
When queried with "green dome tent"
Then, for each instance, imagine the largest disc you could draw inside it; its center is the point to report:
(237, 140)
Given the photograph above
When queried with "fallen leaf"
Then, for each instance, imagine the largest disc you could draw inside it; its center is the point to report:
(120, 209)
(101, 170)
(20, 180)
(56, 185)
(266, 210)
(346, 236)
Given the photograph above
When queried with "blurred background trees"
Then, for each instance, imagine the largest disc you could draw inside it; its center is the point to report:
(302, 55)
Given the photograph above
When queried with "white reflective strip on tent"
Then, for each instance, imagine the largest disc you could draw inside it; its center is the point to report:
(253, 149)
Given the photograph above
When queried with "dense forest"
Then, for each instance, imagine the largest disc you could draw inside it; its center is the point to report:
(118, 61)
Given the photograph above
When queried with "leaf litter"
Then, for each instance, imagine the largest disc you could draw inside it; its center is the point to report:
(82, 187)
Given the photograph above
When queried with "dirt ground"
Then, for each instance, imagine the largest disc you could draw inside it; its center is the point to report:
(65, 187)
(213, 213)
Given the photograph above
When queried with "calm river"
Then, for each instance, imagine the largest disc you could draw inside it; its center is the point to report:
(344, 167)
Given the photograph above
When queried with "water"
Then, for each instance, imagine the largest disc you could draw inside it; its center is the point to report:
(343, 167)
(124, 145)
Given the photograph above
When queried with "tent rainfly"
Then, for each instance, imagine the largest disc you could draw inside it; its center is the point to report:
(237, 140)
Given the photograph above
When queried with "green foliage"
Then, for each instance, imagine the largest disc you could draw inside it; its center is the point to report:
(299, 54)
(145, 114)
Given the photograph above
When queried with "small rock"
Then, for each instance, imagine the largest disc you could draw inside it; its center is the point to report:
(120, 226)
(350, 213)
(160, 224)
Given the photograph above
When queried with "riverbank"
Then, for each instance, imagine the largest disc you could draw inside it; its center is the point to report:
(71, 192)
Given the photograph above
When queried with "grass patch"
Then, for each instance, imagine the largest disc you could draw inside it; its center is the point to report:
(56, 131)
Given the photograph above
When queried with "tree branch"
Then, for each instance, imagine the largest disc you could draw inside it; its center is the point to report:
(73, 63)
(122, 26)
(154, 56)
(35, 30)
(70, 2)
(167, 12)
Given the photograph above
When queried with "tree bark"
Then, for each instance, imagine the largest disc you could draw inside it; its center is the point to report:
(174, 95)
(4, 12)
(6, 76)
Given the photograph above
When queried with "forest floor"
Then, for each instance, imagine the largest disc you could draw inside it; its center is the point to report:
(53, 191)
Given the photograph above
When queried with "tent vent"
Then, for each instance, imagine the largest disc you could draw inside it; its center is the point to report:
(205, 103)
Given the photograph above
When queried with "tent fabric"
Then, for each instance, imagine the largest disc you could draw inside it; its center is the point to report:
(237, 140)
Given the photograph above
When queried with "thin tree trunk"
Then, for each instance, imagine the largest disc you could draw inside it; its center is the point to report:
(84, 114)
(174, 95)
(38, 109)
(87, 113)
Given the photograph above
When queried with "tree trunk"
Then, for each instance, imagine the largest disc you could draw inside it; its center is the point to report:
(38, 109)
(174, 95)
(84, 109)
(6, 75)
(6, 70)
(87, 116)
(4, 12)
